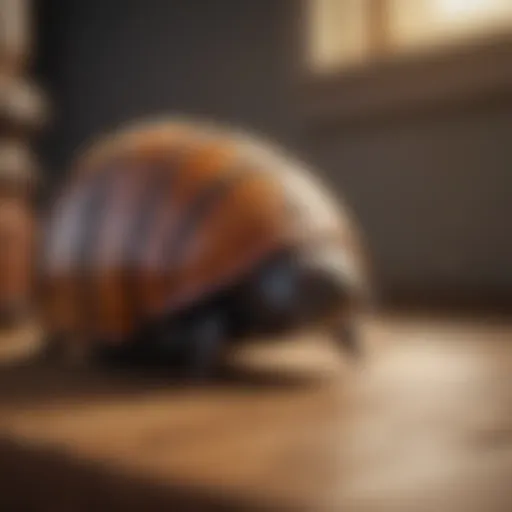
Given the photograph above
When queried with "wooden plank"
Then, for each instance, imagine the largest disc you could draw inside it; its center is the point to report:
(425, 423)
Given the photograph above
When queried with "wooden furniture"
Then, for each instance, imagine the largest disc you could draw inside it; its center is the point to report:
(22, 110)
(424, 423)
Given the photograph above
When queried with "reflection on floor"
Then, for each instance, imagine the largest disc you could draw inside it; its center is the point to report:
(423, 423)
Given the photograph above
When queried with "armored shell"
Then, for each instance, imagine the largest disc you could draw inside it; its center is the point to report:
(161, 216)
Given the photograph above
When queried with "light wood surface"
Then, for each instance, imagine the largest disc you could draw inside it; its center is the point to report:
(423, 423)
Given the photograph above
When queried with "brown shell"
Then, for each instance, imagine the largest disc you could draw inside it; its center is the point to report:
(158, 216)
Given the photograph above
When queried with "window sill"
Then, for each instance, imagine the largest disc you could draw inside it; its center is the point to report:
(457, 76)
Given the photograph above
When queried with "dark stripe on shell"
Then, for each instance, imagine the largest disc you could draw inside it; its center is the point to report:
(156, 190)
(175, 246)
(100, 186)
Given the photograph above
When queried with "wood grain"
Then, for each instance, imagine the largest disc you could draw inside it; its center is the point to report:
(424, 423)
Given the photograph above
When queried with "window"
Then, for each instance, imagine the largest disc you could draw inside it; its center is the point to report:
(345, 33)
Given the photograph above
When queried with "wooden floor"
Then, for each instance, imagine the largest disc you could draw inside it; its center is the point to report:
(424, 423)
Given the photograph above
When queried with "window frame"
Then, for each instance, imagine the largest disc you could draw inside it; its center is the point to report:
(458, 74)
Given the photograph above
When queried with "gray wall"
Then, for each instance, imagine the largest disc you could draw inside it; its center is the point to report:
(434, 194)
(108, 61)
(431, 191)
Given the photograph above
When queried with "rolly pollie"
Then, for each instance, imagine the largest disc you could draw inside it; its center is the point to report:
(173, 240)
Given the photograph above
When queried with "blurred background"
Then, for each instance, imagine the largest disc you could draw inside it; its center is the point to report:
(403, 106)
(405, 109)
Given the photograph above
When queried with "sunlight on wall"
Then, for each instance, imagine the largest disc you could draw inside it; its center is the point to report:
(427, 23)
(340, 31)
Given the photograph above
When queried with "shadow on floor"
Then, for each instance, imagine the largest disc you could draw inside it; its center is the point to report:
(33, 382)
